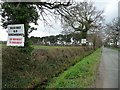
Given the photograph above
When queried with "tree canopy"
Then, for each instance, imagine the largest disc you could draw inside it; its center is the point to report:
(82, 16)
(112, 31)
(26, 13)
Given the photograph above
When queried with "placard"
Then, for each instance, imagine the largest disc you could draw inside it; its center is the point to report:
(15, 35)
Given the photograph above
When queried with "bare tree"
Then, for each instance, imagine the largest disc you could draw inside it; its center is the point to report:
(112, 30)
(18, 12)
(82, 16)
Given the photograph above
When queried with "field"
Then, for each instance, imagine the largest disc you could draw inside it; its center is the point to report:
(51, 47)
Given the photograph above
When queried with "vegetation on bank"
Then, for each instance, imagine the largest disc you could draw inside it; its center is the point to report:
(22, 70)
(116, 49)
(81, 75)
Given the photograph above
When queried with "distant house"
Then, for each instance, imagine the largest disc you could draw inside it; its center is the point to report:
(43, 41)
(118, 43)
(48, 43)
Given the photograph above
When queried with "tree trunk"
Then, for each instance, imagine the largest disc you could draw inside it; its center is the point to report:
(26, 44)
(84, 34)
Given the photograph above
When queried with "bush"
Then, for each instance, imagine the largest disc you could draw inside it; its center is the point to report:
(20, 70)
(14, 65)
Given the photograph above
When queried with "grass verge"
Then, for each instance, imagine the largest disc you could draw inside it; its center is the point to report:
(81, 75)
(118, 49)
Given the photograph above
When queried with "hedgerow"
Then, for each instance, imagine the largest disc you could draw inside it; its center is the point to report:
(22, 70)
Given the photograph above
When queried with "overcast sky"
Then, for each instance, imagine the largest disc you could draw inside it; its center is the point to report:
(110, 8)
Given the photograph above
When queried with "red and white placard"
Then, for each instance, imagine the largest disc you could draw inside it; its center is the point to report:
(15, 35)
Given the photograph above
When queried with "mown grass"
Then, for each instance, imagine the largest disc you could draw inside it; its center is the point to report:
(82, 75)
(50, 47)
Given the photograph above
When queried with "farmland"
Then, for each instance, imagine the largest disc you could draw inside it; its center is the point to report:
(53, 47)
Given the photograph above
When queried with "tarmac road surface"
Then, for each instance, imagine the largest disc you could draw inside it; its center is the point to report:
(108, 69)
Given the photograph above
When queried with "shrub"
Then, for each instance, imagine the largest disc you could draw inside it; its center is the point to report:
(20, 70)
